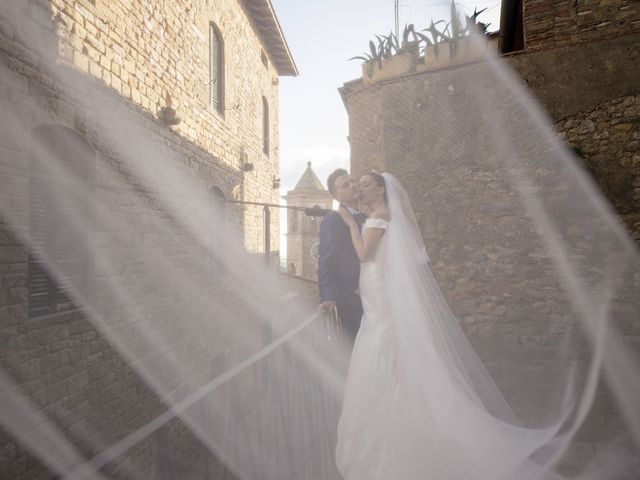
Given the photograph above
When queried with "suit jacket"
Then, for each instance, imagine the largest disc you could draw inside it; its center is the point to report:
(338, 264)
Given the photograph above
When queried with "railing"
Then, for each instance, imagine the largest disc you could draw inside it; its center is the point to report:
(116, 449)
(309, 211)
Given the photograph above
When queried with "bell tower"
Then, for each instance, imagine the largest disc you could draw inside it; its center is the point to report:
(302, 230)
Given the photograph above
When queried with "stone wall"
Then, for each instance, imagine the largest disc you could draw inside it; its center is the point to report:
(608, 140)
(550, 23)
(134, 54)
(577, 78)
(451, 137)
(461, 147)
(62, 363)
(144, 51)
(429, 132)
(589, 89)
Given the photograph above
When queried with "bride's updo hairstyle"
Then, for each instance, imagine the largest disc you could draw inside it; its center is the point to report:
(379, 179)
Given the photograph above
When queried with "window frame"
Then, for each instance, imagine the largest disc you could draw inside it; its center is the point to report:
(217, 70)
(266, 127)
(45, 295)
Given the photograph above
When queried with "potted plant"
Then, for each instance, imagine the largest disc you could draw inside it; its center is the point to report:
(441, 47)
(456, 43)
(390, 57)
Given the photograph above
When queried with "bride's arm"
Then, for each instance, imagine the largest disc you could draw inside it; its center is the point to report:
(365, 245)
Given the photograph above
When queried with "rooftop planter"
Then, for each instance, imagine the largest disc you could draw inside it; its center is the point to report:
(401, 63)
(450, 54)
(441, 46)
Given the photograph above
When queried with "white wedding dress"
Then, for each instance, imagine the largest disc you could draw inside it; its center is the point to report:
(418, 403)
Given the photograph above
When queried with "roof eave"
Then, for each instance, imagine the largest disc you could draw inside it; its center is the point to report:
(266, 22)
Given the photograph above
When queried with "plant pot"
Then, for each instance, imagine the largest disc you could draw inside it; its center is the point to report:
(396, 66)
(436, 57)
(463, 51)
(469, 50)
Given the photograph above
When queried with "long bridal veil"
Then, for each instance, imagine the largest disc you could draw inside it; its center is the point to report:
(139, 339)
(473, 430)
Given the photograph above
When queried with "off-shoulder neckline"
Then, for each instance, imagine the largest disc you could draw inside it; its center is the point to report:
(374, 220)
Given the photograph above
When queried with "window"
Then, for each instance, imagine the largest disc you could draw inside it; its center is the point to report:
(61, 170)
(293, 222)
(216, 69)
(265, 126)
(511, 26)
(265, 60)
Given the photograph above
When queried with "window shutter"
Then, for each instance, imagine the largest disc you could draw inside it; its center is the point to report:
(61, 165)
(216, 72)
(265, 126)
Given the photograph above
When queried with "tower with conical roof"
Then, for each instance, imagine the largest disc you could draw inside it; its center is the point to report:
(303, 231)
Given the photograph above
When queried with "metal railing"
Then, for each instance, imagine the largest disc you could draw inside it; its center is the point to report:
(266, 217)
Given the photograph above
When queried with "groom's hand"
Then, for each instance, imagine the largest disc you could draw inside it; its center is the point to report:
(328, 305)
(347, 217)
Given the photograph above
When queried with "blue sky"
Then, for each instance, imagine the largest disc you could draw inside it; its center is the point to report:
(322, 37)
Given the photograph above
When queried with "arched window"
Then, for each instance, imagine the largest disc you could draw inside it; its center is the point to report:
(61, 174)
(216, 69)
(265, 126)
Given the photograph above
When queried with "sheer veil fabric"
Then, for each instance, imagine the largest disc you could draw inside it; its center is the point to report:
(184, 357)
(432, 410)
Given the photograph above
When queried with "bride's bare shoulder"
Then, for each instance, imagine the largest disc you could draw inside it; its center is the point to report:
(382, 213)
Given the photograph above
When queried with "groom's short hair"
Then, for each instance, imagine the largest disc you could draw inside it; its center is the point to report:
(331, 180)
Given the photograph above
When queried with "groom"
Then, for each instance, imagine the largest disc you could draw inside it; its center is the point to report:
(338, 265)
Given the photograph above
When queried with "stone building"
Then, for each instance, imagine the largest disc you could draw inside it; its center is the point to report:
(434, 129)
(199, 79)
(581, 61)
(303, 230)
(216, 63)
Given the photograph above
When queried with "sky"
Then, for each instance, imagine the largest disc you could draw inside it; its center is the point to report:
(322, 36)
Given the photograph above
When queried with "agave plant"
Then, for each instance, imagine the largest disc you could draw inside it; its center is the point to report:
(437, 36)
(457, 30)
(474, 24)
(375, 53)
(389, 45)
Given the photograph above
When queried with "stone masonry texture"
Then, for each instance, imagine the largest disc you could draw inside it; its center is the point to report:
(136, 52)
(581, 62)
(144, 51)
(551, 24)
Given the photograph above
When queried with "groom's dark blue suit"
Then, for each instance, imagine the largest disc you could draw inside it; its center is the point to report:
(339, 270)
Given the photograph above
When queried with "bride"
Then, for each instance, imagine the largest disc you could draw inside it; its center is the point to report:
(418, 403)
